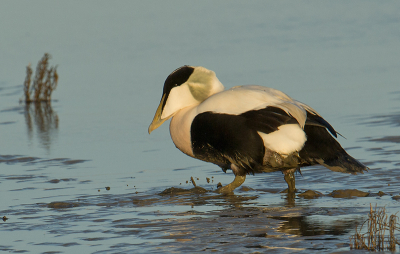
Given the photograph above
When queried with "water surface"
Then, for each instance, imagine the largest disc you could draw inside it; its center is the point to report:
(83, 175)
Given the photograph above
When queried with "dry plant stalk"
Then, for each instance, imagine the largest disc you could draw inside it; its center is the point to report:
(27, 82)
(44, 84)
(374, 239)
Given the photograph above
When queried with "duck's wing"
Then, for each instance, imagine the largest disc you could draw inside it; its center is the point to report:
(244, 124)
(315, 119)
(243, 139)
(239, 125)
(241, 99)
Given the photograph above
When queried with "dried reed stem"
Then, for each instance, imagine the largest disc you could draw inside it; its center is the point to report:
(374, 239)
(27, 82)
(44, 83)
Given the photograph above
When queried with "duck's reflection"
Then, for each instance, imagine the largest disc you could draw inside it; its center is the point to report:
(233, 215)
(304, 226)
(40, 116)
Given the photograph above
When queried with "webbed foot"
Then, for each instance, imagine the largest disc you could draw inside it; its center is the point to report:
(239, 180)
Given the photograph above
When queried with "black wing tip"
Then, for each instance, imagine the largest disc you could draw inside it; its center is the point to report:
(345, 164)
(328, 126)
(317, 120)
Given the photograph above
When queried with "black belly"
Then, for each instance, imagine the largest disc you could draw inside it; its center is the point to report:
(224, 139)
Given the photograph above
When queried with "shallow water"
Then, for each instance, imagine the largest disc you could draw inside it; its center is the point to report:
(82, 174)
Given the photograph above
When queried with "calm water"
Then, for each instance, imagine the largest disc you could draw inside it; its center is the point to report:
(113, 57)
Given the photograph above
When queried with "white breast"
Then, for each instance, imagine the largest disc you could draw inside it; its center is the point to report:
(180, 129)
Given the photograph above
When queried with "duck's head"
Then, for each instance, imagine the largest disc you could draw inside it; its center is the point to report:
(184, 87)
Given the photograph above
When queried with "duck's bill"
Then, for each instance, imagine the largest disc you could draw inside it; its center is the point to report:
(157, 121)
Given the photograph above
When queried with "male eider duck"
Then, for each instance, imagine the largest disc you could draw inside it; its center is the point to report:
(248, 129)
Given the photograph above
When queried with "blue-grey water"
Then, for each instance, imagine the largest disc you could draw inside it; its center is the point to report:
(340, 57)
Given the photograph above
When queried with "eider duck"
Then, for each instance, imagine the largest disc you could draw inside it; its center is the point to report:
(248, 129)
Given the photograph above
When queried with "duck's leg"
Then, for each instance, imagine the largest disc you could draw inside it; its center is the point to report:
(239, 180)
(290, 179)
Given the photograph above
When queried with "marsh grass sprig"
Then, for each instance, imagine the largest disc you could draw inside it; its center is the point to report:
(375, 239)
(44, 83)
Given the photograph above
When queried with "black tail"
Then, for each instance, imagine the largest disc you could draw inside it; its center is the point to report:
(322, 148)
(345, 164)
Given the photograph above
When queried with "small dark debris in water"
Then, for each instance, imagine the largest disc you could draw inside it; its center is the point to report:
(64, 180)
(397, 197)
(244, 188)
(61, 205)
(219, 185)
(187, 181)
(348, 193)
(5, 218)
(68, 179)
(71, 162)
(258, 235)
(68, 245)
(208, 180)
(193, 182)
(173, 191)
(310, 194)
(108, 188)
(381, 193)
(179, 191)
(98, 190)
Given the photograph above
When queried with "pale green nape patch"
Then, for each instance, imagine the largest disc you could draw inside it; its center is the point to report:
(199, 91)
(201, 83)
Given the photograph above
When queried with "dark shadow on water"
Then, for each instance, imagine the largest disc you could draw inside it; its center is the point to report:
(386, 145)
(40, 116)
(385, 139)
(39, 162)
(304, 226)
(391, 119)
